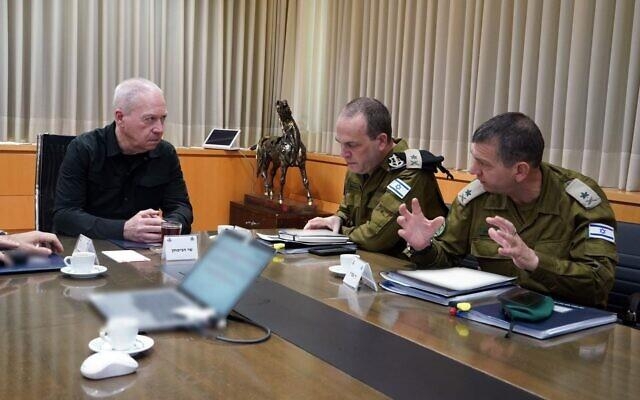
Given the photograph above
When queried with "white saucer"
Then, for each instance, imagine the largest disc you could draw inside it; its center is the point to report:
(95, 271)
(338, 270)
(143, 343)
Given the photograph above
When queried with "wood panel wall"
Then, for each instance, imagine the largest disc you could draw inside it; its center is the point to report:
(216, 177)
(326, 174)
(17, 183)
(213, 177)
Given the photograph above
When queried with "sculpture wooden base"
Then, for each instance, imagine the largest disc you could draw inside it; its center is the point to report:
(287, 206)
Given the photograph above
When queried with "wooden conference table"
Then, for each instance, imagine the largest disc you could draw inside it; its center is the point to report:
(329, 342)
(46, 324)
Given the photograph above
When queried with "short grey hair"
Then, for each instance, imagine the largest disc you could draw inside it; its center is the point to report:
(128, 91)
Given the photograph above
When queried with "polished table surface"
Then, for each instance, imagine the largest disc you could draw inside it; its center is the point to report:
(330, 342)
(46, 324)
(432, 352)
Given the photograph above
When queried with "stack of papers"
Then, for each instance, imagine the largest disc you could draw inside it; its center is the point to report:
(566, 318)
(296, 247)
(312, 236)
(444, 286)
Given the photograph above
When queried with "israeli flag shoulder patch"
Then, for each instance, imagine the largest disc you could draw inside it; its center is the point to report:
(399, 188)
(602, 231)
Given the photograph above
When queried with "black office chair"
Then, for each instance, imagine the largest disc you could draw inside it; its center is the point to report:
(624, 297)
(49, 155)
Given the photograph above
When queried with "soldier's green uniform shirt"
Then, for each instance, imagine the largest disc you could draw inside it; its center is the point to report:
(570, 227)
(369, 207)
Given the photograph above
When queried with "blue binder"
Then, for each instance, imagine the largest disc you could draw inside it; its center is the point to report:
(35, 264)
(566, 318)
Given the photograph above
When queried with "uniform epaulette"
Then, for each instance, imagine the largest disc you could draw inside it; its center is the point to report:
(580, 191)
(470, 192)
(417, 159)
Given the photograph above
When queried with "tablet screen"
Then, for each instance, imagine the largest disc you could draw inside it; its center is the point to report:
(221, 138)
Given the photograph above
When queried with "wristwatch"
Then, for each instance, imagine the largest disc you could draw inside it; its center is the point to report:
(410, 251)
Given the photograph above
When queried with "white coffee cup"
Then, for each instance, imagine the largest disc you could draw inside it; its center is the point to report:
(243, 231)
(238, 229)
(222, 228)
(80, 262)
(347, 260)
(120, 332)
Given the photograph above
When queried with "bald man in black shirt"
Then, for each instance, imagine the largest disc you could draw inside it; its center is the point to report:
(115, 181)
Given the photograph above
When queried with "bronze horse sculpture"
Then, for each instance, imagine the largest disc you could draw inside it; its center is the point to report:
(282, 152)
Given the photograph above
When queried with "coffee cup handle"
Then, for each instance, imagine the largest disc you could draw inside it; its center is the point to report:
(67, 261)
(104, 335)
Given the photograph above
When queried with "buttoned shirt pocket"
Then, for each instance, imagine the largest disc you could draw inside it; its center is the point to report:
(385, 211)
(151, 191)
(486, 251)
(103, 189)
(557, 248)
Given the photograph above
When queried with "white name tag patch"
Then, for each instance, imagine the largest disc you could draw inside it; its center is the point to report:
(184, 247)
(399, 188)
(602, 231)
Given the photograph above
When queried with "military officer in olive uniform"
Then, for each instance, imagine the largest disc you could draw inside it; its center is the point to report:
(551, 227)
(377, 181)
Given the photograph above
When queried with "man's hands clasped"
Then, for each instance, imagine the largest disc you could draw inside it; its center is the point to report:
(144, 227)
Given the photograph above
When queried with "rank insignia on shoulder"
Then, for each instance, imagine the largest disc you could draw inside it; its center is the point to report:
(399, 188)
(470, 192)
(586, 196)
(417, 159)
(602, 231)
(414, 159)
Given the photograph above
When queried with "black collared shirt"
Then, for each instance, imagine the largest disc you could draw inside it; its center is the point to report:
(99, 188)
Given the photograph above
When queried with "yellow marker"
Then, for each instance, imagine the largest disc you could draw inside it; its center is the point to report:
(463, 306)
(278, 246)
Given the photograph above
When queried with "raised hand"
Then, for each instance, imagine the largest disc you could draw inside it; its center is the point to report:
(416, 229)
(511, 245)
